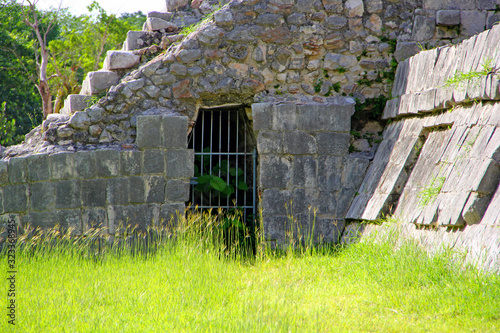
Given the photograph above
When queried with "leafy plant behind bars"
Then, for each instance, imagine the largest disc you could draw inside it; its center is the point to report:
(209, 181)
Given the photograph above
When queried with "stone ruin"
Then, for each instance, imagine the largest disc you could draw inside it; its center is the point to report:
(300, 70)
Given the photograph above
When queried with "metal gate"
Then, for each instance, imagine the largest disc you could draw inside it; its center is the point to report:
(225, 163)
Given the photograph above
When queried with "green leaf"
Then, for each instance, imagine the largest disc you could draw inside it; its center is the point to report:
(228, 190)
(204, 179)
(242, 186)
(218, 183)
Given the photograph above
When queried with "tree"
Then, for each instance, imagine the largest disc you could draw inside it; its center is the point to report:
(32, 19)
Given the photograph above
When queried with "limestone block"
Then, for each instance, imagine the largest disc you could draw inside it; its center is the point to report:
(354, 8)
(275, 171)
(492, 20)
(335, 61)
(44, 220)
(486, 4)
(333, 6)
(151, 68)
(275, 202)
(177, 190)
(374, 6)
(85, 164)
(70, 219)
(94, 218)
(262, 114)
(130, 162)
(391, 108)
(94, 192)
(68, 194)
(331, 117)
(329, 173)
(117, 192)
(154, 161)
(107, 163)
(330, 143)
(223, 17)
(17, 170)
(448, 17)
(275, 228)
(270, 142)
(284, 117)
(155, 24)
(449, 4)
(334, 22)
(131, 43)
(136, 190)
(4, 173)
(475, 208)
(299, 142)
(80, 120)
(354, 172)
(15, 198)
(76, 103)
(120, 60)
(1, 202)
(170, 212)
(424, 28)
(180, 163)
(174, 131)
(96, 82)
(154, 189)
(303, 200)
(304, 171)
(62, 166)
(149, 131)
(472, 22)
(38, 168)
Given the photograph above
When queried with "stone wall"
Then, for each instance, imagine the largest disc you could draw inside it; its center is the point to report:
(268, 50)
(438, 167)
(139, 185)
(305, 171)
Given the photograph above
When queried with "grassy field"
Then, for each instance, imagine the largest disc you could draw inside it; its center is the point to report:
(190, 285)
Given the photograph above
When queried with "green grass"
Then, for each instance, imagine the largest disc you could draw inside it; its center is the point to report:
(192, 283)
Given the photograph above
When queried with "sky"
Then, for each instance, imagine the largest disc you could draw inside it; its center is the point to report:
(79, 7)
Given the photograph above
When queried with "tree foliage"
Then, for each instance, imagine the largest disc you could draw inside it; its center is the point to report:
(75, 44)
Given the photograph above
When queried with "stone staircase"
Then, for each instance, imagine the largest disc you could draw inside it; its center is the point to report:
(160, 30)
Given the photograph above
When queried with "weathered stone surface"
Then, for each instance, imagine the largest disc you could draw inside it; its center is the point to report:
(472, 22)
(131, 162)
(96, 82)
(75, 103)
(299, 143)
(154, 24)
(94, 193)
(223, 17)
(174, 131)
(335, 61)
(181, 89)
(275, 172)
(333, 6)
(117, 192)
(15, 198)
(177, 191)
(448, 17)
(336, 144)
(62, 166)
(149, 133)
(154, 189)
(423, 28)
(304, 171)
(107, 162)
(270, 142)
(17, 170)
(38, 168)
(120, 60)
(335, 22)
(154, 161)
(180, 163)
(405, 50)
(354, 8)
(68, 194)
(275, 202)
(80, 120)
(284, 117)
(262, 116)
(131, 43)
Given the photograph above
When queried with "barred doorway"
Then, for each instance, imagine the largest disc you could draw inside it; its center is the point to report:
(225, 163)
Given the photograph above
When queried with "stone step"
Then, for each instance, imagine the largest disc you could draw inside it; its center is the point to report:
(76, 103)
(155, 24)
(120, 60)
(97, 82)
(134, 41)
